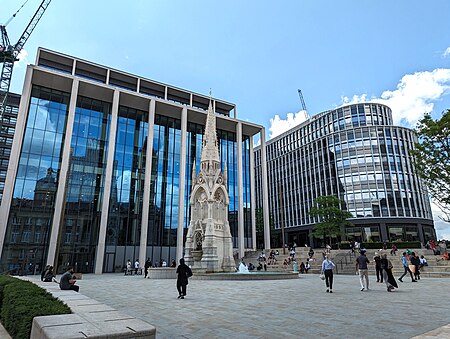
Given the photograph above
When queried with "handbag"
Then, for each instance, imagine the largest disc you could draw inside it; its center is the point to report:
(322, 276)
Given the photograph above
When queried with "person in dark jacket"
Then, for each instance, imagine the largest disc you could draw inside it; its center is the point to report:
(147, 265)
(378, 269)
(389, 279)
(49, 275)
(415, 260)
(183, 272)
(67, 282)
(44, 272)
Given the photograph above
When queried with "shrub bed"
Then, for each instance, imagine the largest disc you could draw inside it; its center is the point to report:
(21, 301)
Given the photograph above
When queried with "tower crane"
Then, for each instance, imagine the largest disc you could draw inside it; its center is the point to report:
(304, 111)
(9, 53)
(302, 100)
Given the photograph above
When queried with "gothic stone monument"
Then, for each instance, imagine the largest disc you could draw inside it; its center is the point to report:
(208, 245)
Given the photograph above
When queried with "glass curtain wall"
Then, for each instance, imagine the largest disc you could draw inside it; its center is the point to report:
(228, 155)
(82, 212)
(127, 187)
(248, 242)
(32, 207)
(164, 188)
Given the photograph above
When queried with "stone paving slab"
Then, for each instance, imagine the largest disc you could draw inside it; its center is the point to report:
(439, 333)
(91, 319)
(274, 309)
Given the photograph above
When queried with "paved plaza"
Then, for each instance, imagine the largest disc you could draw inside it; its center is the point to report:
(278, 308)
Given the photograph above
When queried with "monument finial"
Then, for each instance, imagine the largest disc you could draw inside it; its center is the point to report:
(210, 151)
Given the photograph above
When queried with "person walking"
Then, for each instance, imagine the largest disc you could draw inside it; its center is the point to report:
(406, 268)
(415, 260)
(183, 272)
(361, 267)
(147, 265)
(327, 270)
(378, 268)
(389, 279)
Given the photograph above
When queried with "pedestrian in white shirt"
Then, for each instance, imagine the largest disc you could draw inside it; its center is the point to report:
(327, 269)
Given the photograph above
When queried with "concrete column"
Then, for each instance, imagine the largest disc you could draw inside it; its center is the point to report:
(420, 231)
(241, 234)
(14, 157)
(384, 232)
(57, 224)
(252, 193)
(182, 186)
(147, 182)
(265, 190)
(107, 186)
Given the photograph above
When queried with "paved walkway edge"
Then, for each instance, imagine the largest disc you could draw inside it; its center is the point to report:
(90, 318)
(438, 333)
(4, 333)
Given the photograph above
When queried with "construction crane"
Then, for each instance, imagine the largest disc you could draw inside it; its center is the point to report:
(302, 100)
(9, 53)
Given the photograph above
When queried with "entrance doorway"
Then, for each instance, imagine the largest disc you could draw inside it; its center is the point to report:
(301, 238)
(108, 264)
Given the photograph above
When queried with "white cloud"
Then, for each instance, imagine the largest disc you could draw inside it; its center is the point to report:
(279, 126)
(23, 59)
(442, 228)
(446, 52)
(415, 95)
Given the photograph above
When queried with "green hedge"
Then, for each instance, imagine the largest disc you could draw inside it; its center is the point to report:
(21, 301)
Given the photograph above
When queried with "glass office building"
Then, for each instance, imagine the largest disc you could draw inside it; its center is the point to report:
(355, 153)
(103, 168)
(7, 128)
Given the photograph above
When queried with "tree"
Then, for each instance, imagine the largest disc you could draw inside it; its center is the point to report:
(331, 217)
(259, 223)
(432, 158)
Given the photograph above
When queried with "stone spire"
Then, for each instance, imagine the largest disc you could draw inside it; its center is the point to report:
(210, 150)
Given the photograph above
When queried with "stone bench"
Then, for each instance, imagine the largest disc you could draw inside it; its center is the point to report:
(97, 324)
(162, 273)
(90, 319)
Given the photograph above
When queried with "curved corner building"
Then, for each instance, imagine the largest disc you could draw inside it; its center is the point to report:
(353, 152)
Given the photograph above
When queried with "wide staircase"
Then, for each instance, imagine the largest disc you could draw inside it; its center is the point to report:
(345, 261)
(301, 254)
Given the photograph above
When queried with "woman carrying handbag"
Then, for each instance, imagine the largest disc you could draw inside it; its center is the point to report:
(327, 270)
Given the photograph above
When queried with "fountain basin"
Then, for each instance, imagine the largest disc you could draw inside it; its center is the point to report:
(246, 276)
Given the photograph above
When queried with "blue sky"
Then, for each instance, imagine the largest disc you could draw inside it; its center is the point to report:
(258, 53)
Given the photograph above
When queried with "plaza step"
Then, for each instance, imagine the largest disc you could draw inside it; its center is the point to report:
(345, 261)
